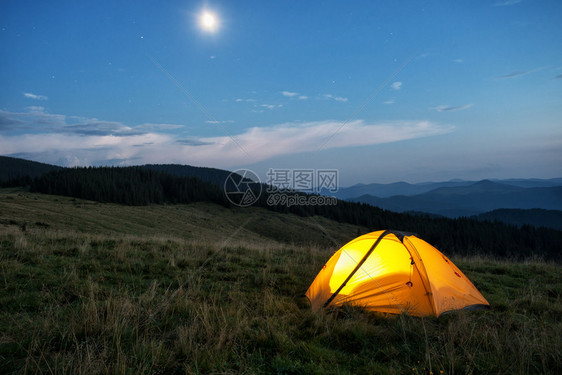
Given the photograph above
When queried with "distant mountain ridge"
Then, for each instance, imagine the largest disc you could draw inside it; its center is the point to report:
(407, 189)
(473, 199)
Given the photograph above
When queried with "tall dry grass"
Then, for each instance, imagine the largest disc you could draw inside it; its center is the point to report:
(98, 304)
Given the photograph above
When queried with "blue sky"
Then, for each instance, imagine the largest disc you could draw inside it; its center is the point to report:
(381, 91)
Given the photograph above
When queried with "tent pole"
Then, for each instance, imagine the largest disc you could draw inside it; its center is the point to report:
(357, 267)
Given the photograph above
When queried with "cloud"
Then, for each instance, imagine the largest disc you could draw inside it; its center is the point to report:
(109, 141)
(151, 127)
(396, 85)
(144, 144)
(35, 108)
(101, 128)
(513, 75)
(521, 73)
(34, 96)
(289, 94)
(336, 98)
(192, 142)
(36, 120)
(387, 102)
(458, 61)
(8, 122)
(219, 122)
(507, 3)
(445, 108)
(294, 95)
(271, 106)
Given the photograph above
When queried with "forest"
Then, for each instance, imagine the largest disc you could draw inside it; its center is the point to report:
(140, 186)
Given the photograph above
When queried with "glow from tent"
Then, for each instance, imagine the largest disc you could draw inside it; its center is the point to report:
(386, 259)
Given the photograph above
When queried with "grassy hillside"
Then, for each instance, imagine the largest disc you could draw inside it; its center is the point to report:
(100, 288)
(201, 221)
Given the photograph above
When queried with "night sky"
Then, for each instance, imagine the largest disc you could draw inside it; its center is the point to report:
(381, 91)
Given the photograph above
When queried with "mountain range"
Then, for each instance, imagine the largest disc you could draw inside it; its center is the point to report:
(404, 188)
(461, 198)
(536, 202)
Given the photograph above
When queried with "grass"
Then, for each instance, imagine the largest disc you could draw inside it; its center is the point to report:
(198, 221)
(82, 295)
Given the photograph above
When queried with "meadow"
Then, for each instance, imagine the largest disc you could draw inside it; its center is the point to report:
(195, 289)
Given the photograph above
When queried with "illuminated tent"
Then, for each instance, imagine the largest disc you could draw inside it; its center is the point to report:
(393, 272)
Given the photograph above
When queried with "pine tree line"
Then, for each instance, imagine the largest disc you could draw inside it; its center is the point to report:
(135, 186)
(463, 236)
(143, 186)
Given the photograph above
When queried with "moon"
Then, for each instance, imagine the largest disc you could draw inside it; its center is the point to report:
(208, 21)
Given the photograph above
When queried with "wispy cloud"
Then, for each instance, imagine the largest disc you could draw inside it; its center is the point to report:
(336, 98)
(97, 142)
(513, 74)
(35, 108)
(521, 73)
(446, 108)
(219, 122)
(387, 102)
(151, 127)
(458, 61)
(192, 142)
(30, 95)
(35, 118)
(271, 106)
(8, 122)
(396, 85)
(294, 95)
(507, 3)
(38, 121)
(289, 94)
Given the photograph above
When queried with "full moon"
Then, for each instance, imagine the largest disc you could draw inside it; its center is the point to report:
(208, 21)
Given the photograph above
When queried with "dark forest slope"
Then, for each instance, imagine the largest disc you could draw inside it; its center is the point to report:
(140, 186)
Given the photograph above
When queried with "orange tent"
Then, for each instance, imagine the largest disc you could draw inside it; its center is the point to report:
(393, 272)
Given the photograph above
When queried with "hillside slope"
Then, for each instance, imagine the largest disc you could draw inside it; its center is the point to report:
(15, 170)
(202, 221)
(212, 175)
(90, 288)
(536, 217)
